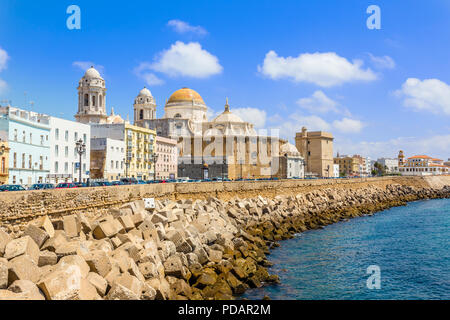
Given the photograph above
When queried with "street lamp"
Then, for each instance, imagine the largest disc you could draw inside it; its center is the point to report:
(81, 149)
(154, 160)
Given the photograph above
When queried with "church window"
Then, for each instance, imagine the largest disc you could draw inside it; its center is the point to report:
(86, 99)
(93, 101)
(141, 114)
(178, 115)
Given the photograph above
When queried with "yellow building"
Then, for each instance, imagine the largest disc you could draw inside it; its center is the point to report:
(140, 147)
(4, 155)
(348, 166)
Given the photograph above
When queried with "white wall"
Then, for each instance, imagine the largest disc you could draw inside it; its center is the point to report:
(66, 162)
(115, 155)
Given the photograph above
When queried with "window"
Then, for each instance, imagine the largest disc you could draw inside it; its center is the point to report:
(15, 134)
(56, 150)
(86, 99)
(42, 140)
(66, 151)
(31, 138)
(93, 101)
(66, 135)
(15, 160)
(30, 162)
(141, 114)
(76, 136)
(56, 134)
(66, 167)
(23, 160)
(41, 163)
(23, 136)
(84, 138)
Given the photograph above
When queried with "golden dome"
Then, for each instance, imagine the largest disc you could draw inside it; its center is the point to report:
(186, 94)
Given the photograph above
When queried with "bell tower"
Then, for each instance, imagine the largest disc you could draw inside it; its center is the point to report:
(144, 107)
(91, 98)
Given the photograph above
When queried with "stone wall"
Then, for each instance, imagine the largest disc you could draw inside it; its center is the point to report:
(18, 208)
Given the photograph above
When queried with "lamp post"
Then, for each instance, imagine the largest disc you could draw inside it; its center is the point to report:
(154, 160)
(81, 149)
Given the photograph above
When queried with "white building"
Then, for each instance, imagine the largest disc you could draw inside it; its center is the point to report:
(423, 165)
(107, 159)
(336, 170)
(291, 163)
(64, 158)
(28, 138)
(391, 164)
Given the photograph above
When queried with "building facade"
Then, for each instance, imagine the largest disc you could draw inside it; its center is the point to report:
(423, 165)
(349, 166)
(64, 158)
(4, 157)
(316, 147)
(167, 163)
(139, 146)
(291, 164)
(336, 170)
(28, 139)
(107, 159)
(390, 164)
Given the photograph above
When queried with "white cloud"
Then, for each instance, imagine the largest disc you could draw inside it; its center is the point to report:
(347, 125)
(184, 27)
(323, 69)
(84, 65)
(384, 62)
(3, 59)
(426, 95)
(188, 60)
(143, 71)
(252, 115)
(436, 146)
(318, 103)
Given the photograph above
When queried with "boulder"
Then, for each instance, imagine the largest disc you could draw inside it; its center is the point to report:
(4, 240)
(119, 292)
(130, 282)
(98, 262)
(100, 283)
(45, 224)
(39, 235)
(3, 273)
(27, 289)
(22, 246)
(23, 268)
(72, 226)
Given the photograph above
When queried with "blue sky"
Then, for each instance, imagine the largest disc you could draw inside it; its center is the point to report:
(282, 64)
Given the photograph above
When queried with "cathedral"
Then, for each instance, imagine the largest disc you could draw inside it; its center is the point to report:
(225, 146)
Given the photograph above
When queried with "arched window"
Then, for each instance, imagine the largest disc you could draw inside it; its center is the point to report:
(141, 114)
(86, 100)
(93, 101)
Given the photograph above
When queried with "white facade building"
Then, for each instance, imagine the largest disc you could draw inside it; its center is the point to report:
(28, 138)
(64, 159)
(390, 164)
(335, 170)
(292, 164)
(108, 156)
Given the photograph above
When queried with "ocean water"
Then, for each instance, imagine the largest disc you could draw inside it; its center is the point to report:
(410, 245)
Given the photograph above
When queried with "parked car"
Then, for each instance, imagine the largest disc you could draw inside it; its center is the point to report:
(80, 184)
(103, 183)
(117, 183)
(11, 187)
(42, 186)
(141, 182)
(129, 180)
(65, 185)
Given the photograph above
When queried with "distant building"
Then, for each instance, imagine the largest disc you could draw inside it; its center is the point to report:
(390, 164)
(28, 139)
(64, 158)
(107, 159)
(349, 165)
(291, 164)
(4, 157)
(167, 163)
(336, 170)
(139, 146)
(423, 165)
(316, 148)
(447, 163)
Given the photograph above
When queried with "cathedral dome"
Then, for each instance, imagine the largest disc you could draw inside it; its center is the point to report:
(145, 93)
(92, 73)
(185, 95)
(227, 115)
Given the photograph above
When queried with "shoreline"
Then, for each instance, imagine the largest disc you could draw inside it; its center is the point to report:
(200, 250)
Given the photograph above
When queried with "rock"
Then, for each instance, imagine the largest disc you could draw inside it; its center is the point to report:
(130, 282)
(148, 270)
(45, 224)
(215, 256)
(37, 234)
(127, 222)
(72, 227)
(4, 240)
(208, 277)
(66, 283)
(98, 262)
(54, 242)
(67, 248)
(22, 268)
(100, 283)
(22, 246)
(74, 260)
(148, 292)
(106, 229)
(27, 289)
(173, 266)
(3, 273)
(119, 292)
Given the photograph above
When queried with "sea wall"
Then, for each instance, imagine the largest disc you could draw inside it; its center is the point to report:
(183, 249)
(18, 208)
